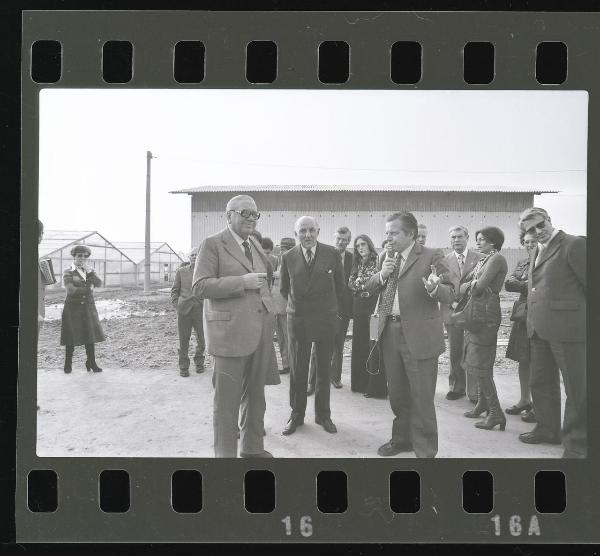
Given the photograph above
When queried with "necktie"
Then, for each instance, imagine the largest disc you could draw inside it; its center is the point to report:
(387, 301)
(461, 262)
(308, 257)
(247, 251)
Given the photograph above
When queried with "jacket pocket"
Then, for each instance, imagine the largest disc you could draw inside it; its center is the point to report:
(218, 315)
(564, 304)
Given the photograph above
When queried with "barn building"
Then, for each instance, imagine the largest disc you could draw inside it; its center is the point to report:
(363, 209)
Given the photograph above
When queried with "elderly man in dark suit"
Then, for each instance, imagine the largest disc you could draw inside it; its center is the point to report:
(412, 279)
(460, 261)
(233, 275)
(189, 316)
(312, 280)
(556, 326)
(342, 238)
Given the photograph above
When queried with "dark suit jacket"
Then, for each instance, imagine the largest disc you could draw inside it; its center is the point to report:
(421, 317)
(347, 307)
(557, 291)
(457, 278)
(314, 294)
(181, 292)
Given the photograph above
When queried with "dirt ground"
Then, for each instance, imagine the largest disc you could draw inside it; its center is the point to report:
(140, 406)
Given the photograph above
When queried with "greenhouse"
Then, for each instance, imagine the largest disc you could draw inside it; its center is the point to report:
(164, 261)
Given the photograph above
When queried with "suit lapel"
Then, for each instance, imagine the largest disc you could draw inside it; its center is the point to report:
(414, 254)
(550, 250)
(231, 246)
(266, 261)
(453, 264)
(470, 261)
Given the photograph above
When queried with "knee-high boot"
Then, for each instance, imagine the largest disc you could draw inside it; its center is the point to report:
(495, 414)
(481, 406)
(69, 358)
(90, 364)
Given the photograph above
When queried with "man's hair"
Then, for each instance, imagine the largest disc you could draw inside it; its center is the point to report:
(267, 243)
(422, 226)
(459, 229)
(236, 199)
(40, 227)
(343, 230)
(407, 221)
(494, 235)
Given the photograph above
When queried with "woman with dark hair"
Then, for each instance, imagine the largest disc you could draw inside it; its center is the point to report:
(479, 354)
(518, 341)
(364, 265)
(80, 322)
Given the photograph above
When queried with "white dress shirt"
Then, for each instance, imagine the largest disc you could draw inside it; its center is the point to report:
(240, 241)
(404, 255)
(543, 246)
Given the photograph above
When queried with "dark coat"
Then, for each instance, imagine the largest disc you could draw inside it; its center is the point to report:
(557, 291)
(518, 342)
(314, 294)
(457, 278)
(80, 322)
(182, 296)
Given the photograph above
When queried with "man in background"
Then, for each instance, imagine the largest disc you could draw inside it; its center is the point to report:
(460, 262)
(422, 234)
(189, 316)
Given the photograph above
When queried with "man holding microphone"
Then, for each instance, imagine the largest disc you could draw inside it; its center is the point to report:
(411, 281)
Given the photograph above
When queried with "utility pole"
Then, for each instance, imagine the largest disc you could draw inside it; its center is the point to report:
(149, 157)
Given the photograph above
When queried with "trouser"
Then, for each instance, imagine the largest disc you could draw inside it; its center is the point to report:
(546, 360)
(240, 385)
(299, 359)
(337, 356)
(185, 324)
(411, 386)
(282, 339)
(459, 381)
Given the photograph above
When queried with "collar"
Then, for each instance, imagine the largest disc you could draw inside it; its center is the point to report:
(239, 239)
(407, 251)
(465, 253)
(313, 250)
(79, 271)
(552, 236)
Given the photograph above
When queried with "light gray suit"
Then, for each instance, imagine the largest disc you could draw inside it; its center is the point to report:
(239, 331)
(457, 379)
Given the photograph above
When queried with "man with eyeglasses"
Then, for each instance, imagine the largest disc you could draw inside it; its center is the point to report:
(233, 275)
(556, 326)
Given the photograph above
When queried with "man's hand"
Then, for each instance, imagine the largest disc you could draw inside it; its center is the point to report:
(276, 274)
(387, 268)
(254, 280)
(432, 281)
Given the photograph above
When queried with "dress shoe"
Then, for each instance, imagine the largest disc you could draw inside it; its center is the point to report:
(517, 409)
(292, 425)
(529, 417)
(327, 424)
(285, 371)
(310, 391)
(184, 372)
(367, 395)
(263, 454)
(534, 437)
(336, 383)
(392, 448)
(199, 367)
(455, 395)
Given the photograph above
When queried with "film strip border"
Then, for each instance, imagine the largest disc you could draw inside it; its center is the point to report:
(312, 51)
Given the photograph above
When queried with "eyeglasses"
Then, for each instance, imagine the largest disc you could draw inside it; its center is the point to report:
(247, 213)
(84, 255)
(539, 226)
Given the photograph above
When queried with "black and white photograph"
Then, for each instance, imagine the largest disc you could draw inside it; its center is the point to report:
(312, 273)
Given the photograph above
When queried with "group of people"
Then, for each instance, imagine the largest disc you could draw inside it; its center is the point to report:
(235, 293)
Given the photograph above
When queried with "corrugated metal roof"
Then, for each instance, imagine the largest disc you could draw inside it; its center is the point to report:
(56, 240)
(135, 250)
(365, 187)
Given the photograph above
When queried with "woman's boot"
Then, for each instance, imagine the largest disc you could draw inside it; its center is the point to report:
(69, 358)
(480, 407)
(495, 414)
(90, 364)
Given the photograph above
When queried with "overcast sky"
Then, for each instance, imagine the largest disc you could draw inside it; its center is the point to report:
(93, 147)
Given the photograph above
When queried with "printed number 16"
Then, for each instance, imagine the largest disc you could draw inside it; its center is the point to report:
(306, 528)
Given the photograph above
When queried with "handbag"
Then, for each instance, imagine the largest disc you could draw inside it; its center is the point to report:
(471, 312)
(519, 311)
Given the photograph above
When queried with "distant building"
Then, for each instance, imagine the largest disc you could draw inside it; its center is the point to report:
(164, 261)
(364, 208)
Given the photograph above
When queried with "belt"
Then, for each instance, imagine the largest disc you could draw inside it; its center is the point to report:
(394, 318)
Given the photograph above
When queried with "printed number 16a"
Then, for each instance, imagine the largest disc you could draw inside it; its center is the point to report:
(516, 526)
(306, 528)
